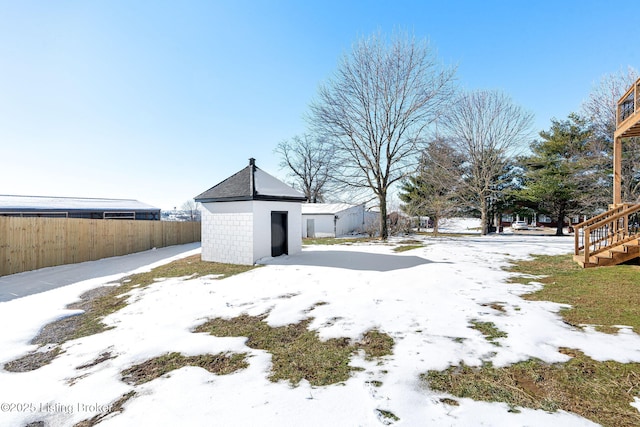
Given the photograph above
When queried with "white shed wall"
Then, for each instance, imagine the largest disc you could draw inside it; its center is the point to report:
(227, 232)
(240, 232)
(323, 225)
(349, 221)
(262, 227)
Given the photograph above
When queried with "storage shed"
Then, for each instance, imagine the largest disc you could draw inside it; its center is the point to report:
(332, 219)
(77, 207)
(248, 216)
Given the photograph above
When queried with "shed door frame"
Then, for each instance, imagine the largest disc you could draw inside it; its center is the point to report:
(279, 233)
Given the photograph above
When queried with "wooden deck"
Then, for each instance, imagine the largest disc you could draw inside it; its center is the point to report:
(610, 238)
(627, 126)
(628, 113)
(613, 237)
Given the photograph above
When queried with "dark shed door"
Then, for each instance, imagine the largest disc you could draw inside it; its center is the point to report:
(279, 234)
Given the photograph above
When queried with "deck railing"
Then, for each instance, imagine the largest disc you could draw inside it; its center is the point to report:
(629, 104)
(612, 228)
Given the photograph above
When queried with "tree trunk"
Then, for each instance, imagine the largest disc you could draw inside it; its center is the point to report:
(560, 225)
(483, 216)
(384, 226)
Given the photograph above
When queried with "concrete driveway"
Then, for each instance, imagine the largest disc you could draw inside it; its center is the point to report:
(33, 282)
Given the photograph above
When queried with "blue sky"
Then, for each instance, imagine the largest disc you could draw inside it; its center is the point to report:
(160, 100)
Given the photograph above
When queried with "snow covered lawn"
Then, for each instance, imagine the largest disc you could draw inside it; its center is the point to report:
(426, 299)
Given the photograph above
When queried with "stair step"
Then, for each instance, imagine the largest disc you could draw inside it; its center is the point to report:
(606, 255)
(580, 260)
(615, 252)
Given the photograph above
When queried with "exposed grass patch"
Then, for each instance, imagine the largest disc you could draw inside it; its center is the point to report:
(404, 248)
(297, 352)
(410, 242)
(335, 240)
(375, 344)
(220, 364)
(32, 361)
(450, 402)
(100, 302)
(387, 417)
(102, 358)
(192, 267)
(498, 306)
(599, 391)
(441, 234)
(117, 406)
(489, 330)
(604, 297)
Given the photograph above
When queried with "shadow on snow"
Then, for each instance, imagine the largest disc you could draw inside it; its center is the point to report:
(351, 260)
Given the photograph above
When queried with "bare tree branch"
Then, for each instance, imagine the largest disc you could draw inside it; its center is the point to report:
(375, 109)
(309, 162)
(600, 108)
(487, 129)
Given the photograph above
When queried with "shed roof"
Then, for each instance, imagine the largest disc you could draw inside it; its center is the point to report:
(251, 183)
(325, 208)
(10, 203)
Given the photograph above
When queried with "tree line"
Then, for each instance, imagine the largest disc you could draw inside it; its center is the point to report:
(392, 114)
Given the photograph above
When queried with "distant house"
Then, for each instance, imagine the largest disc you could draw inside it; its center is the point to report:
(181, 215)
(333, 219)
(248, 216)
(76, 207)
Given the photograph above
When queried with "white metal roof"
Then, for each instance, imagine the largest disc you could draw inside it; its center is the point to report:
(271, 186)
(20, 203)
(325, 208)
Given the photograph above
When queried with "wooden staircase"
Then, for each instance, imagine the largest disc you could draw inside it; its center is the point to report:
(610, 238)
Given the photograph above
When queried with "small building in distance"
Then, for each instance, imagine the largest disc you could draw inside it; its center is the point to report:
(76, 207)
(248, 216)
(334, 219)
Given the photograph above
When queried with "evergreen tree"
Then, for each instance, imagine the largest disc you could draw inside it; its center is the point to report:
(565, 173)
(433, 190)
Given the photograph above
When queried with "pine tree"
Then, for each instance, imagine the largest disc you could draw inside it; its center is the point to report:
(433, 191)
(565, 173)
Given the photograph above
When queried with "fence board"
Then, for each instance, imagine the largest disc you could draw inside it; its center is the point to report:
(32, 243)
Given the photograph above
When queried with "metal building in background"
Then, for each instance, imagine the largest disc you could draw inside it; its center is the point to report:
(75, 207)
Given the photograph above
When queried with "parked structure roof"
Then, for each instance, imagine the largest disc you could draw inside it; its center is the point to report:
(325, 208)
(77, 207)
(64, 203)
(251, 183)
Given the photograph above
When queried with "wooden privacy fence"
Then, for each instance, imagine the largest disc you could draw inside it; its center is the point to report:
(32, 243)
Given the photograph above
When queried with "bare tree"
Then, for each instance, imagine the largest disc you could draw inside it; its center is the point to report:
(191, 208)
(487, 129)
(375, 109)
(600, 108)
(309, 162)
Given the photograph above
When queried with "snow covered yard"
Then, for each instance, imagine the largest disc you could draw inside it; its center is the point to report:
(426, 299)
